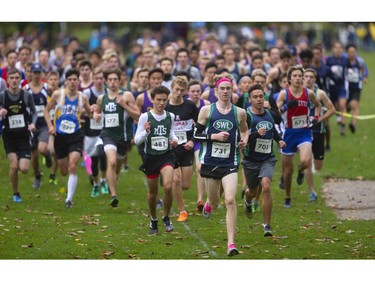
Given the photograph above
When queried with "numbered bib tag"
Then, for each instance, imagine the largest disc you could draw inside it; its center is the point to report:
(96, 125)
(111, 120)
(40, 110)
(16, 121)
(299, 122)
(263, 146)
(353, 76)
(159, 143)
(67, 127)
(182, 138)
(220, 150)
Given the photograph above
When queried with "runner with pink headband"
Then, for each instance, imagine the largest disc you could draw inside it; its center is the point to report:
(221, 80)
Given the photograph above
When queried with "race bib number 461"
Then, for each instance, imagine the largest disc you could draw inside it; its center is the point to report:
(159, 143)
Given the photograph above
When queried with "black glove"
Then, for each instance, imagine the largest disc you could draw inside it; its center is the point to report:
(289, 105)
(314, 121)
(292, 103)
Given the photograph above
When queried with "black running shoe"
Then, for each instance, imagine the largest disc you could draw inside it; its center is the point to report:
(300, 178)
(267, 230)
(168, 224)
(154, 226)
(114, 202)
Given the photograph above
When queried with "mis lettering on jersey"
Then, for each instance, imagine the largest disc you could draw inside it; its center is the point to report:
(223, 125)
(110, 107)
(160, 130)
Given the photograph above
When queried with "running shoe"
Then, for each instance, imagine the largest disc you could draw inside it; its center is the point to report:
(68, 204)
(95, 191)
(313, 197)
(159, 204)
(256, 206)
(37, 183)
(104, 187)
(168, 224)
(207, 210)
(183, 216)
(248, 209)
(300, 178)
(125, 169)
(232, 250)
(287, 203)
(17, 198)
(114, 202)
(52, 180)
(267, 230)
(154, 226)
(200, 206)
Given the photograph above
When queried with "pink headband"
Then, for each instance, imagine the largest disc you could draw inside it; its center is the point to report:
(221, 80)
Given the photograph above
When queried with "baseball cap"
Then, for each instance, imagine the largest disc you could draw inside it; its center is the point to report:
(36, 67)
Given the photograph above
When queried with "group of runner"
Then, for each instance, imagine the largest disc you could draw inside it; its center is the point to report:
(230, 113)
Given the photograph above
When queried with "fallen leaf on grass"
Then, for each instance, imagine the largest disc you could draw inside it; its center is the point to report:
(106, 254)
(6, 208)
(48, 213)
(132, 256)
(91, 222)
(349, 231)
(28, 246)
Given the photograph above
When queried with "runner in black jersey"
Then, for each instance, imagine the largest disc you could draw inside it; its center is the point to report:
(15, 106)
(186, 114)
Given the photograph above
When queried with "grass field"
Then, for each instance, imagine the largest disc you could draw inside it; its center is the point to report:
(42, 228)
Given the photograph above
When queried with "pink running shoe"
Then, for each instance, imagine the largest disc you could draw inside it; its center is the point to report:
(206, 210)
(232, 250)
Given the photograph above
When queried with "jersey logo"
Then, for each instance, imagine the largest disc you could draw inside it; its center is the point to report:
(223, 125)
(160, 130)
(264, 124)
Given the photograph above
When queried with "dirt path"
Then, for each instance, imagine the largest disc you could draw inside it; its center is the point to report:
(352, 200)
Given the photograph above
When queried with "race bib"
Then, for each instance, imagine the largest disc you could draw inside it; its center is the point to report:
(182, 138)
(220, 150)
(96, 125)
(67, 127)
(40, 110)
(159, 143)
(299, 122)
(111, 120)
(353, 76)
(263, 146)
(16, 121)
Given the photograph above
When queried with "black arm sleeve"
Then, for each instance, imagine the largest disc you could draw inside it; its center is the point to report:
(198, 133)
(274, 110)
(254, 136)
(276, 135)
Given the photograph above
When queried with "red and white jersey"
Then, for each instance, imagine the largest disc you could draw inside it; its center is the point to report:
(298, 116)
